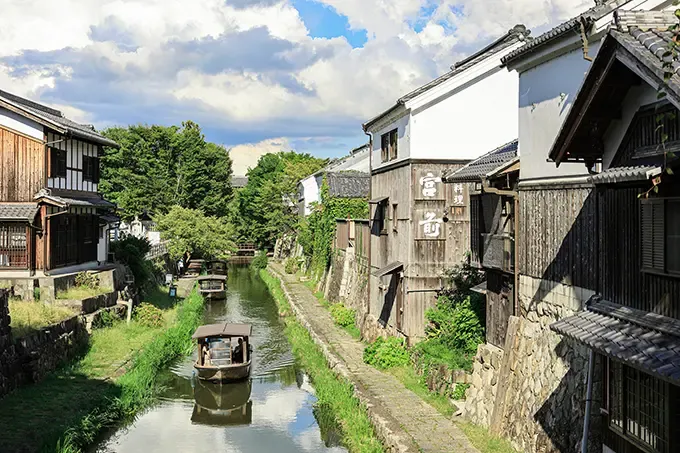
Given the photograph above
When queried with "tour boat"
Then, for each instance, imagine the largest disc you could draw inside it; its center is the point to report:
(213, 286)
(195, 267)
(219, 405)
(217, 267)
(224, 352)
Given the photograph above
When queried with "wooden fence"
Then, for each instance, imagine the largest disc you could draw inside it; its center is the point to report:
(353, 234)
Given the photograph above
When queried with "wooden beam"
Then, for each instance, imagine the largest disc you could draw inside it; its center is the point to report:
(493, 190)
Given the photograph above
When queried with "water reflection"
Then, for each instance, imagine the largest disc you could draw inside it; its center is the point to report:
(273, 412)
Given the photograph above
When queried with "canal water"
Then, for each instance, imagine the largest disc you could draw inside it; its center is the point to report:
(273, 412)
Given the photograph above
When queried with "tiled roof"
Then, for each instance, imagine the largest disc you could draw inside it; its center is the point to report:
(483, 165)
(66, 200)
(643, 340)
(517, 33)
(348, 184)
(601, 9)
(239, 181)
(56, 118)
(624, 174)
(18, 212)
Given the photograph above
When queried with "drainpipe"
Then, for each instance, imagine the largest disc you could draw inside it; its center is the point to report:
(370, 197)
(589, 402)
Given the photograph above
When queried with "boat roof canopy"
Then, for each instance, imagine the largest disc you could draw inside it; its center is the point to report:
(212, 277)
(223, 330)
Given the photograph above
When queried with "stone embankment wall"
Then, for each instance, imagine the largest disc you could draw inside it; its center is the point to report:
(533, 391)
(30, 358)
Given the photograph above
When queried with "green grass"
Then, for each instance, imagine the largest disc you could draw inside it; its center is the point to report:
(81, 292)
(484, 441)
(27, 316)
(435, 352)
(72, 406)
(333, 392)
(351, 329)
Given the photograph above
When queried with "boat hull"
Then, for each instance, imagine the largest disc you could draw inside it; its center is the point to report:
(230, 373)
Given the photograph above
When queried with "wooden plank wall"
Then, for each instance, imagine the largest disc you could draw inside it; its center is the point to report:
(75, 150)
(558, 235)
(22, 166)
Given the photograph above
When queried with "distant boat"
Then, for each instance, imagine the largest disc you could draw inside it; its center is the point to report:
(219, 358)
(195, 267)
(219, 405)
(213, 286)
(217, 267)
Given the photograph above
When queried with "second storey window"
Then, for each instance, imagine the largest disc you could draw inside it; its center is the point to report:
(57, 163)
(660, 235)
(388, 146)
(90, 169)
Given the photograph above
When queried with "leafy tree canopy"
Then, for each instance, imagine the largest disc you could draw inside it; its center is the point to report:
(157, 167)
(189, 230)
(267, 206)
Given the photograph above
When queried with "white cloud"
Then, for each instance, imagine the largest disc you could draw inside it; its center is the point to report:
(245, 156)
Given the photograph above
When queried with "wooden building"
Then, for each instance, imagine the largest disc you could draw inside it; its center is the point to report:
(491, 182)
(52, 219)
(419, 226)
(627, 233)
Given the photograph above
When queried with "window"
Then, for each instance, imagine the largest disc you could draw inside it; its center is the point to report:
(57, 163)
(394, 217)
(91, 169)
(388, 146)
(660, 235)
(380, 218)
(638, 406)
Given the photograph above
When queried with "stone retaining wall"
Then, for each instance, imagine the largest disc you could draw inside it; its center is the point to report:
(28, 359)
(533, 391)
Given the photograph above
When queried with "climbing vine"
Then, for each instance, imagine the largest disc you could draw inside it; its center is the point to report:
(316, 233)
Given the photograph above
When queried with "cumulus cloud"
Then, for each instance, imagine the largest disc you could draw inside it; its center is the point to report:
(245, 156)
(246, 70)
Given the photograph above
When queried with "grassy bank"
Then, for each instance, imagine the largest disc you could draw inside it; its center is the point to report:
(29, 316)
(109, 385)
(333, 392)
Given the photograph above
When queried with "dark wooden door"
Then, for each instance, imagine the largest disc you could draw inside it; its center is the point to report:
(400, 302)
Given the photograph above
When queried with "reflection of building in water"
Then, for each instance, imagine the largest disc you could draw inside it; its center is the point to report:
(220, 405)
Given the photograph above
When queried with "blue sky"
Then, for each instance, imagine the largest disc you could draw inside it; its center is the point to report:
(303, 73)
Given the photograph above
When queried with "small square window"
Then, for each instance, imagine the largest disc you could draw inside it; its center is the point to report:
(388, 145)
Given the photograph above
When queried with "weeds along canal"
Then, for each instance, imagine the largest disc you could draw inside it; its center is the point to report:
(272, 412)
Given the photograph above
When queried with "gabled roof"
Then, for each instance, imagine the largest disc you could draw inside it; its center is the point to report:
(516, 34)
(239, 181)
(348, 184)
(53, 119)
(600, 10)
(625, 52)
(480, 167)
(65, 199)
(20, 212)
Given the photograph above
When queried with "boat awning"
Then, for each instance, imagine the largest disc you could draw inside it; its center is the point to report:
(481, 288)
(223, 330)
(645, 341)
(389, 269)
(212, 277)
(378, 200)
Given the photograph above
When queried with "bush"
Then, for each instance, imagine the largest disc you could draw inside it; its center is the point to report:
(343, 316)
(292, 265)
(386, 353)
(260, 261)
(149, 316)
(87, 280)
(435, 352)
(456, 326)
(105, 319)
(132, 251)
(459, 392)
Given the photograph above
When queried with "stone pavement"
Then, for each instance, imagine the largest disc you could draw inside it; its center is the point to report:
(403, 421)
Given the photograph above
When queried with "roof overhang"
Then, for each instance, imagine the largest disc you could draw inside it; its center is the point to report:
(378, 200)
(19, 110)
(507, 167)
(389, 269)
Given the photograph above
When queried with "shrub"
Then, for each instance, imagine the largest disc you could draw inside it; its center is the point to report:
(132, 251)
(386, 353)
(149, 316)
(343, 316)
(260, 261)
(105, 319)
(456, 326)
(87, 280)
(459, 392)
(292, 265)
(435, 352)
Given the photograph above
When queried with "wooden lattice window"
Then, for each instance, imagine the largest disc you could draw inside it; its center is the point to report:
(388, 146)
(660, 235)
(13, 246)
(638, 407)
(57, 163)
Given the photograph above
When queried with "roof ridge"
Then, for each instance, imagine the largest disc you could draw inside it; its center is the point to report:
(32, 104)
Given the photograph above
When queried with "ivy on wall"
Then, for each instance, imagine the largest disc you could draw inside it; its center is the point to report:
(317, 232)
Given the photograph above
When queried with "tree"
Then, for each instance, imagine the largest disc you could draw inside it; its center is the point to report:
(267, 206)
(157, 167)
(189, 230)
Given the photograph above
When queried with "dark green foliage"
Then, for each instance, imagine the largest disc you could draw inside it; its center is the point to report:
(459, 392)
(267, 206)
(385, 353)
(132, 251)
(157, 167)
(318, 231)
(343, 316)
(148, 315)
(190, 230)
(105, 319)
(434, 351)
(455, 325)
(260, 261)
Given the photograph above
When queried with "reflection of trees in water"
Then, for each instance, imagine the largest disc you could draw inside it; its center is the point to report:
(331, 433)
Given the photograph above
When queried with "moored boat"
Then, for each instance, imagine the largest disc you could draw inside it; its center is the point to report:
(224, 352)
(217, 267)
(213, 286)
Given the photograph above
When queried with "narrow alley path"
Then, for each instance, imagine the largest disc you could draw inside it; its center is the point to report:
(422, 427)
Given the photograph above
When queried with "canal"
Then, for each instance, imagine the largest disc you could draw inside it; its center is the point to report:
(273, 412)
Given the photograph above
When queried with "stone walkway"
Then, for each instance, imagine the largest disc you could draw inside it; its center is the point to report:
(404, 422)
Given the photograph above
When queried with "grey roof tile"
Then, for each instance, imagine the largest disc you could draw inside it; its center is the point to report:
(623, 334)
(622, 174)
(478, 168)
(348, 184)
(239, 181)
(18, 211)
(64, 199)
